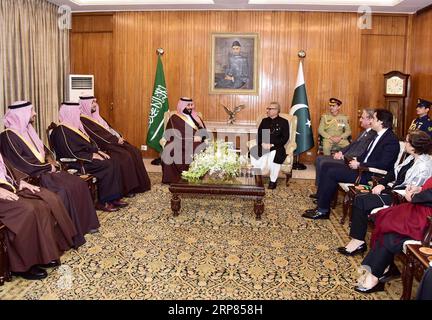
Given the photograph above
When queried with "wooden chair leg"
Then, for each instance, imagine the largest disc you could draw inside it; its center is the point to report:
(346, 208)
(335, 198)
(288, 177)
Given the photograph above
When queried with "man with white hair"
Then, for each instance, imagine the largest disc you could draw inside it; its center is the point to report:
(269, 152)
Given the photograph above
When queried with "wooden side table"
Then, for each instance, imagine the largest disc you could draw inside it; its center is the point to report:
(415, 266)
(5, 274)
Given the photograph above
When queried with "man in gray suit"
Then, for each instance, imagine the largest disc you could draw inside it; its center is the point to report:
(354, 149)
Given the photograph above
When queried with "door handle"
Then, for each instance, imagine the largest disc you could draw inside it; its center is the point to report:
(112, 106)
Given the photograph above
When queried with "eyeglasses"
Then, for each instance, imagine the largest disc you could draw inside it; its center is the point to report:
(271, 108)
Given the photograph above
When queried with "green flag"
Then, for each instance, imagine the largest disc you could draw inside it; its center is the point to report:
(159, 105)
(300, 108)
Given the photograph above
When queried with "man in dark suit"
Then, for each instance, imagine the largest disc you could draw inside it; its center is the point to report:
(354, 149)
(381, 153)
(269, 152)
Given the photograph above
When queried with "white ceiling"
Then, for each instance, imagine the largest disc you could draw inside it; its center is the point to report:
(390, 6)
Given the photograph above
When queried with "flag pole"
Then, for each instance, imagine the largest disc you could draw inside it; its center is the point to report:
(158, 160)
(297, 165)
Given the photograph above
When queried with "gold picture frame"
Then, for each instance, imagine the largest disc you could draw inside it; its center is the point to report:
(234, 63)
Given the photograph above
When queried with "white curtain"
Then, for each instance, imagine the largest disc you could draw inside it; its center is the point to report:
(34, 58)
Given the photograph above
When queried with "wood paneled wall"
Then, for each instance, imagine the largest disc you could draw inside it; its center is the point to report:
(342, 61)
(421, 69)
(91, 45)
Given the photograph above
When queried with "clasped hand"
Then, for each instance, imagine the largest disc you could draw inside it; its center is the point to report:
(410, 191)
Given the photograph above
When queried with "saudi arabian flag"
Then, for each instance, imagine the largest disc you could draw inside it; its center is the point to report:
(159, 105)
(300, 108)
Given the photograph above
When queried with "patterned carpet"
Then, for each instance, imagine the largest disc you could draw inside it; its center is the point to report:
(215, 249)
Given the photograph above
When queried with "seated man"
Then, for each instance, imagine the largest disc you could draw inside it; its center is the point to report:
(70, 140)
(134, 174)
(22, 147)
(414, 170)
(185, 134)
(38, 226)
(269, 152)
(237, 72)
(334, 128)
(381, 153)
(354, 149)
(422, 122)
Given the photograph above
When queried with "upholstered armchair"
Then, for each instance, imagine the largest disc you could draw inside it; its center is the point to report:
(348, 197)
(290, 146)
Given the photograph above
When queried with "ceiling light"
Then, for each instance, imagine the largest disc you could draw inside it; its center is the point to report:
(139, 2)
(379, 3)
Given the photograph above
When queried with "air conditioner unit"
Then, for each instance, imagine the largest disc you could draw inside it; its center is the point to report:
(80, 85)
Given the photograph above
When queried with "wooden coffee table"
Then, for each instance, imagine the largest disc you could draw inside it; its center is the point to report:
(248, 186)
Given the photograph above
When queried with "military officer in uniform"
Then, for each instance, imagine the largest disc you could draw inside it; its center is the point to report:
(422, 122)
(334, 128)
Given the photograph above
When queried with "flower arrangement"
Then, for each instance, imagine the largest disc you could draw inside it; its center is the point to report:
(218, 161)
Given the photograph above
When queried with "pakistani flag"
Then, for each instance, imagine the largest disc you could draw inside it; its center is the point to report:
(300, 108)
(159, 105)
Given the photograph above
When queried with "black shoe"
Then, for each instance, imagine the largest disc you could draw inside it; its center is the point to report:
(272, 185)
(313, 196)
(119, 204)
(392, 273)
(107, 207)
(156, 162)
(360, 249)
(34, 273)
(378, 287)
(52, 264)
(311, 210)
(315, 215)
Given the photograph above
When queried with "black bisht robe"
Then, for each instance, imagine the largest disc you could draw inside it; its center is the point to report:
(171, 171)
(134, 175)
(69, 144)
(279, 136)
(72, 190)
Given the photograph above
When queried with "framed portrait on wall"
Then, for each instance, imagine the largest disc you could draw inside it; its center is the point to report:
(234, 63)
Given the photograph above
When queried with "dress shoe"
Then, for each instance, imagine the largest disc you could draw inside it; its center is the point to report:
(107, 207)
(313, 196)
(35, 273)
(360, 249)
(92, 231)
(392, 273)
(272, 185)
(378, 287)
(156, 162)
(311, 210)
(315, 215)
(52, 264)
(119, 204)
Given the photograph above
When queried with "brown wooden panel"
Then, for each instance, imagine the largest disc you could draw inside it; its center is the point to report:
(379, 55)
(92, 23)
(341, 61)
(392, 25)
(91, 53)
(421, 67)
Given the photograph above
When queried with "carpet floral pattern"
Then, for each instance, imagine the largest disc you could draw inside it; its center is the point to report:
(215, 249)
